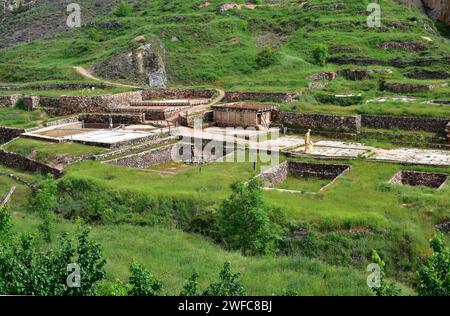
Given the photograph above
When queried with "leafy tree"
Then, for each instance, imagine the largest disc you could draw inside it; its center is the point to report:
(434, 275)
(44, 206)
(320, 55)
(26, 270)
(227, 285)
(385, 289)
(143, 283)
(190, 287)
(244, 221)
(122, 10)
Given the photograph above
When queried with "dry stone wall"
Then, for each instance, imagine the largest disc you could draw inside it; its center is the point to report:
(321, 171)
(67, 105)
(234, 96)
(145, 159)
(152, 94)
(16, 161)
(275, 175)
(117, 119)
(321, 122)
(414, 178)
(9, 100)
(8, 133)
(437, 125)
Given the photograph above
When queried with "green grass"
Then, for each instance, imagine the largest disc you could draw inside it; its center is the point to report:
(173, 256)
(303, 184)
(219, 50)
(48, 152)
(16, 117)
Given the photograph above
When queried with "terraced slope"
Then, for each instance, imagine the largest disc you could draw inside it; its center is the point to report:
(207, 47)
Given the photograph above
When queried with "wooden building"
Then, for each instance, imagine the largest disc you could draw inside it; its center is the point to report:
(243, 114)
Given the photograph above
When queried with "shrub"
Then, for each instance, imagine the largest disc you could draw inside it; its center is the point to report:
(320, 55)
(266, 58)
(190, 288)
(385, 289)
(244, 221)
(122, 10)
(143, 283)
(229, 284)
(434, 275)
(44, 205)
(25, 270)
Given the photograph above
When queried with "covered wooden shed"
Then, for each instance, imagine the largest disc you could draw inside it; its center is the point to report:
(243, 114)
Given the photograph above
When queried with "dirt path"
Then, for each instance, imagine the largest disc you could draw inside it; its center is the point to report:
(86, 74)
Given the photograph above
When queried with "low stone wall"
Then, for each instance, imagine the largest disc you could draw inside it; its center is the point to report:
(152, 94)
(72, 119)
(275, 175)
(437, 125)
(321, 122)
(117, 119)
(9, 101)
(235, 96)
(74, 104)
(414, 178)
(8, 133)
(16, 161)
(411, 88)
(321, 171)
(145, 159)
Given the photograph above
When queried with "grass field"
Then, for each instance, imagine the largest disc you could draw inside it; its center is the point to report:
(48, 152)
(16, 117)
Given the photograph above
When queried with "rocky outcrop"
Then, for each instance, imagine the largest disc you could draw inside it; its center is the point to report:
(143, 65)
(436, 9)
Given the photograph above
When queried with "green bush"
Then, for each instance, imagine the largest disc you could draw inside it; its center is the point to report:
(229, 284)
(266, 58)
(143, 283)
(320, 55)
(434, 274)
(122, 10)
(244, 221)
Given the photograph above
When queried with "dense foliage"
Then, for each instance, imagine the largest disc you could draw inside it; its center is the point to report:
(244, 221)
(434, 274)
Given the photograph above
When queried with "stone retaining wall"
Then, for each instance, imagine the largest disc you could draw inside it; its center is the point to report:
(411, 88)
(321, 171)
(321, 122)
(275, 175)
(152, 94)
(414, 178)
(9, 100)
(16, 161)
(235, 96)
(117, 119)
(437, 125)
(145, 159)
(67, 105)
(8, 133)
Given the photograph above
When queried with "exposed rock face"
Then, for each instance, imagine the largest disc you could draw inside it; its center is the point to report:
(144, 65)
(436, 9)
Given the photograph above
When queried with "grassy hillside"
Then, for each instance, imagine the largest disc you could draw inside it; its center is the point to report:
(205, 47)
